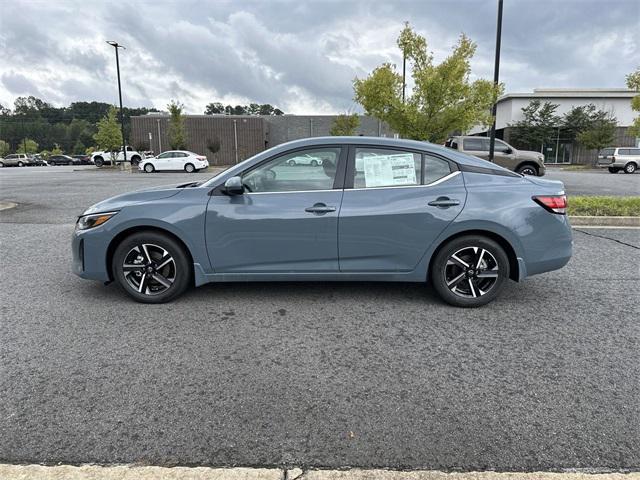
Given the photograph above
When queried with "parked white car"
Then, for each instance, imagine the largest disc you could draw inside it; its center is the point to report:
(104, 158)
(620, 158)
(305, 159)
(175, 160)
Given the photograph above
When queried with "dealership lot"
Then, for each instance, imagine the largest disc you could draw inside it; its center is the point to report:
(311, 374)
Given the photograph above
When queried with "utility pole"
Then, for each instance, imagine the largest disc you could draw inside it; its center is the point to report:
(404, 73)
(496, 77)
(116, 45)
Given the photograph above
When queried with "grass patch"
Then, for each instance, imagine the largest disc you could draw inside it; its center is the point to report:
(604, 206)
(579, 167)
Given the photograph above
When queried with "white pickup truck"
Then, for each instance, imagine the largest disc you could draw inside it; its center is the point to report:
(104, 158)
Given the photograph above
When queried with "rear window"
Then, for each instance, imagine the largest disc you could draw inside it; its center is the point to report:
(474, 144)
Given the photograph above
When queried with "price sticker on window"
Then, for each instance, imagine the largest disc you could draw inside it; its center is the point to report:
(389, 170)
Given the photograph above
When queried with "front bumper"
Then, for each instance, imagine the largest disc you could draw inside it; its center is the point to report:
(88, 251)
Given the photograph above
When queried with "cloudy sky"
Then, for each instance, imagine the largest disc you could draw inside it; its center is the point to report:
(299, 55)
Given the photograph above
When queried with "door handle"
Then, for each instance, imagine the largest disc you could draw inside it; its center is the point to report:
(444, 202)
(320, 208)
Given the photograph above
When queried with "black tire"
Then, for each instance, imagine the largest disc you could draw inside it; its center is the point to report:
(135, 160)
(98, 161)
(630, 167)
(613, 170)
(444, 272)
(149, 168)
(190, 168)
(183, 269)
(528, 170)
(1, 165)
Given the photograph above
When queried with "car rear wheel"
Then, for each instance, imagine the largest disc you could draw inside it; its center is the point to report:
(189, 168)
(149, 168)
(470, 271)
(291, 163)
(527, 170)
(314, 163)
(630, 167)
(1, 164)
(613, 170)
(98, 161)
(151, 267)
(20, 164)
(135, 160)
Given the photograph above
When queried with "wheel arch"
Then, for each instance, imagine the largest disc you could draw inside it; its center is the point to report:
(115, 241)
(514, 267)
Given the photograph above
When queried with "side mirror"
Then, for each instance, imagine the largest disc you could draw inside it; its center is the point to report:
(508, 151)
(233, 186)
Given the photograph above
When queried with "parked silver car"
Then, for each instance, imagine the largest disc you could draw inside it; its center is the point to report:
(619, 158)
(15, 160)
(520, 161)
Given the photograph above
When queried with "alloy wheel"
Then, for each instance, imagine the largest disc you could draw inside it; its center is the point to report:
(471, 272)
(528, 171)
(630, 168)
(149, 269)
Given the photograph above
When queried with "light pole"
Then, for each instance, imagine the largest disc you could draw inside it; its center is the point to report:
(116, 45)
(496, 76)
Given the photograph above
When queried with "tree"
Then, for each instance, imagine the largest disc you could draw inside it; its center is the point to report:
(577, 120)
(79, 148)
(537, 126)
(5, 148)
(345, 124)
(214, 109)
(177, 136)
(27, 145)
(600, 133)
(633, 82)
(56, 149)
(443, 98)
(109, 137)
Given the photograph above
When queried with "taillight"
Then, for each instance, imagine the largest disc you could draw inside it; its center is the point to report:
(552, 203)
(613, 159)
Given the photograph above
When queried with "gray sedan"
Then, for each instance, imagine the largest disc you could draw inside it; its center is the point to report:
(376, 209)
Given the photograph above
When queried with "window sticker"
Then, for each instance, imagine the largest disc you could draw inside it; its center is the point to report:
(389, 170)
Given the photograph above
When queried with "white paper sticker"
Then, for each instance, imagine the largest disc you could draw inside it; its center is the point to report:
(389, 170)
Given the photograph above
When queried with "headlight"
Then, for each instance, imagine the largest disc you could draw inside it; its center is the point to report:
(90, 221)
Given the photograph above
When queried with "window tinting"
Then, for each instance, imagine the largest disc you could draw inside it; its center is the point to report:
(501, 147)
(376, 167)
(634, 151)
(607, 151)
(474, 144)
(285, 174)
(623, 151)
(435, 168)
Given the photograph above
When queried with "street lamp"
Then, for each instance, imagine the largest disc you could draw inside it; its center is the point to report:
(496, 76)
(116, 45)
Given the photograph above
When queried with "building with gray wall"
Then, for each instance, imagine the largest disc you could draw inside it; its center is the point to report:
(228, 139)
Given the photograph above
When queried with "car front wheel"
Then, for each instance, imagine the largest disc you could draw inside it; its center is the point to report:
(149, 168)
(151, 267)
(470, 271)
(527, 170)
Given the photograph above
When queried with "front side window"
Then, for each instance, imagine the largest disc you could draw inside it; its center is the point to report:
(474, 144)
(285, 174)
(165, 155)
(375, 167)
(501, 147)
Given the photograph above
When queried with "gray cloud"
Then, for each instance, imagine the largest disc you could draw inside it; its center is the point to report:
(301, 56)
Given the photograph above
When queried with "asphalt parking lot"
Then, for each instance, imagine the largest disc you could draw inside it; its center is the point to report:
(596, 182)
(309, 374)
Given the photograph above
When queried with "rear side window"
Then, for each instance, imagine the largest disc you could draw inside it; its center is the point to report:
(623, 151)
(634, 151)
(435, 169)
(376, 167)
(607, 151)
(474, 144)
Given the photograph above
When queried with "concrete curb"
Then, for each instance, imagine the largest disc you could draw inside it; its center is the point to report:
(604, 221)
(124, 472)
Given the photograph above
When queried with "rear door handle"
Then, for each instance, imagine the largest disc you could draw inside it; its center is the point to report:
(320, 208)
(444, 202)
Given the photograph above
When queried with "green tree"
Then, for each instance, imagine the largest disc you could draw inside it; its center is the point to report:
(633, 82)
(5, 148)
(577, 120)
(600, 133)
(109, 137)
(27, 145)
(214, 108)
(443, 98)
(537, 126)
(79, 148)
(177, 136)
(345, 124)
(56, 149)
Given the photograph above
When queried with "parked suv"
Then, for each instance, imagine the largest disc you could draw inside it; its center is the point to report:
(619, 158)
(15, 160)
(104, 158)
(520, 161)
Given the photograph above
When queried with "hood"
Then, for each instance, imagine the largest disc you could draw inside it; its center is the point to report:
(132, 198)
(530, 155)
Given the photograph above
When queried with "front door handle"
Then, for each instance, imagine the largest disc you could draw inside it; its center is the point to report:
(444, 202)
(320, 209)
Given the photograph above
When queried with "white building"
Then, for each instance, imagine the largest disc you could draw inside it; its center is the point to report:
(617, 101)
